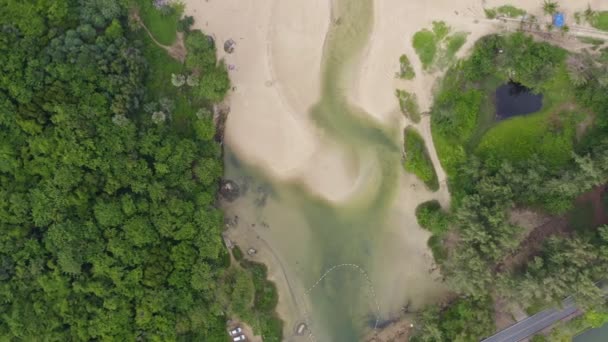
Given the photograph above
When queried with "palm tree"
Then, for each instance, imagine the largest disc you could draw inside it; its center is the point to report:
(550, 7)
(589, 14)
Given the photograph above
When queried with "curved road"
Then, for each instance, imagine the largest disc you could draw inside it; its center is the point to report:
(533, 324)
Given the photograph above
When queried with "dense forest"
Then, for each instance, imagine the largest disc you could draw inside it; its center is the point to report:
(542, 162)
(108, 178)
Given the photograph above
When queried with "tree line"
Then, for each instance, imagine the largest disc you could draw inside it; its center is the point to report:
(108, 225)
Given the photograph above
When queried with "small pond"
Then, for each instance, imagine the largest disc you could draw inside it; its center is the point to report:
(513, 99)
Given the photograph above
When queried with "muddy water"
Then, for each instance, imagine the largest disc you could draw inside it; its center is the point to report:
(344, 266)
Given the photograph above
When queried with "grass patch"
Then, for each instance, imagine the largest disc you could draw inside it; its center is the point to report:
(437, 46)
(504, 11)
(406, 72)
(591, 41)
(161, 23)
(408, 103)
(520, 138)
(600, 20)
(417, 160)
(425, 44)
(510, 11)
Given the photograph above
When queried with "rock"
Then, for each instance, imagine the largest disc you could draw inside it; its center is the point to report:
(251, 251)
(229, 190)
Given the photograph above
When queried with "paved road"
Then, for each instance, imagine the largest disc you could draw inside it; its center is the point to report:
(533, 324)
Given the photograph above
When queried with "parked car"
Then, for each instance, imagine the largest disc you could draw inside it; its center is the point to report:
(236, 331)
(239, 338)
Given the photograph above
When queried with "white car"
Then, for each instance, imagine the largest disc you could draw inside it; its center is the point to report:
(235, 332)
(239, 338)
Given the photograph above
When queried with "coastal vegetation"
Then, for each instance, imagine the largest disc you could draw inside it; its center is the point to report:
(433, 218)
(508, 11)
(408, 103)
(109, 174)
(417, 160)
(406, 71)
(465, 319)
(597, 19)
(252, 298)
(437, 48)
(543, 161)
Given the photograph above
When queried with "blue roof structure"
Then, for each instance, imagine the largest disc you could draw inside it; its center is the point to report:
(559, 20)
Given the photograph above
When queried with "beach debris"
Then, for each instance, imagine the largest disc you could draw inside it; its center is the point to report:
(251, 251)
(229, 45)
(228, 242)
(301, 329)
(231, 66)
(229, 190)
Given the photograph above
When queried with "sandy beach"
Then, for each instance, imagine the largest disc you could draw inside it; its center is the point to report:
(276, 74)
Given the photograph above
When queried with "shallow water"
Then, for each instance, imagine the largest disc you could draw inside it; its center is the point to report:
(350, 264)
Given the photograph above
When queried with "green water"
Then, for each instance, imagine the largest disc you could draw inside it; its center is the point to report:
(312, 235)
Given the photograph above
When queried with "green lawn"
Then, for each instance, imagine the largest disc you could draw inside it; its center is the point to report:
(417, 159)
(548, 135)
(163, 26)
(600, 20)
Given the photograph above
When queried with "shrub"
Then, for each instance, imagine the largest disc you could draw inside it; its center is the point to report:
(431, 217)
(408, 103)
(185, 23)
(490, 13)
(425, 44)
(406, 71)
(237, 253)
(417, 160)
